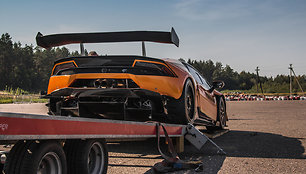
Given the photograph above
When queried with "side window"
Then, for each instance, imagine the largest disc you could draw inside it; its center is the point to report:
(194, 74)
(197, 76)
(205, 83)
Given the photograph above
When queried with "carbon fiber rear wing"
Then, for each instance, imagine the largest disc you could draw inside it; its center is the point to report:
(53, 40)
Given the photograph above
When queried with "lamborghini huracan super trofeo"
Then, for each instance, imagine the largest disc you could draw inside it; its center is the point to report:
(128, 87)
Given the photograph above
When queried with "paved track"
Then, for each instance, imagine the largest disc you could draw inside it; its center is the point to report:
(264, 137)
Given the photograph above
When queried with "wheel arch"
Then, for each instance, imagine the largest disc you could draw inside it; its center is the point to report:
(193, 84)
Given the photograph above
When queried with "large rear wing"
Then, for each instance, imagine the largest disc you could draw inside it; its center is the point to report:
(53, 40)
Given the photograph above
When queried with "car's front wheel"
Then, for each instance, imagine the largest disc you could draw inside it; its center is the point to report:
(221, 117)
(222, 113)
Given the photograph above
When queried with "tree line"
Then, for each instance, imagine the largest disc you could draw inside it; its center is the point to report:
(28, 67)
(246, 81)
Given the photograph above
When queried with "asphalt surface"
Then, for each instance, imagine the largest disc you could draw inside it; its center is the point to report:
(264, 137)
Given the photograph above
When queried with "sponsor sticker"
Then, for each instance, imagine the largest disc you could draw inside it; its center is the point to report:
(3, 126)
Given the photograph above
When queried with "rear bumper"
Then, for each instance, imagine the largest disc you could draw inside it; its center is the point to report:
(99, 92)
(119, 103)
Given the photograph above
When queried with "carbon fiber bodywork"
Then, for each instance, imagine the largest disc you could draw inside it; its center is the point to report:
(124, 36)
(121, 104)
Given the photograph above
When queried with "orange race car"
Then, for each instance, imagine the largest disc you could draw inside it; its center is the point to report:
(129, 87)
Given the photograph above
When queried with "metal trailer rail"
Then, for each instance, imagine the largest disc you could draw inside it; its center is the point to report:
(58, 144)
(15, 126)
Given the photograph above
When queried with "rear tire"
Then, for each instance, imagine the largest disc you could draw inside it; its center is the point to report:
(182, 111)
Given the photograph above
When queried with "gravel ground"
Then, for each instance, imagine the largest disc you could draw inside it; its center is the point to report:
(264, 137)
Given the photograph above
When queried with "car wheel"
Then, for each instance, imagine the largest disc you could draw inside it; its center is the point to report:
(221, 117)
(222, 113)
(182, 111)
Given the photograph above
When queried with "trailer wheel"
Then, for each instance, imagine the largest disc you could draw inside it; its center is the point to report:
(15, 158)
(86, 156)
(46, 157)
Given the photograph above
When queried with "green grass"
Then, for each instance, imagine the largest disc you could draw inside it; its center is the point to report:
(4, 101)
(39, 100)
(8, 98)
(17, 91)
(10, 95)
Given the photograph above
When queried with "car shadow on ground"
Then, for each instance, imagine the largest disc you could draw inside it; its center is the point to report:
(258, 145)
(234, 143)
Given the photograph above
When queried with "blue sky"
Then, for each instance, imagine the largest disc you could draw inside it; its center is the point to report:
(244, 34)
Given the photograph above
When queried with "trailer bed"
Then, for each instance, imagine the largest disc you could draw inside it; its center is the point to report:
(17, 126)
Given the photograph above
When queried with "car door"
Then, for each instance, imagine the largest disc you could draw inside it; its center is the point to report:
(208, 102)
(206, 99)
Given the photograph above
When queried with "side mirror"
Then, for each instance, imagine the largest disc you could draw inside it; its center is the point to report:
(218, 84)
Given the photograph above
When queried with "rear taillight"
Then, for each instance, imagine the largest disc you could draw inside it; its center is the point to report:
(62, 67)
(152, 68)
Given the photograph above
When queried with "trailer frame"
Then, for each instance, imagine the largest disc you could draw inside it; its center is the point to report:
(71, 142)
(29, 132)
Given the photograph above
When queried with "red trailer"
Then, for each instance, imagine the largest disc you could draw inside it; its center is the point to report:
(60, 145)
(55, 144)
